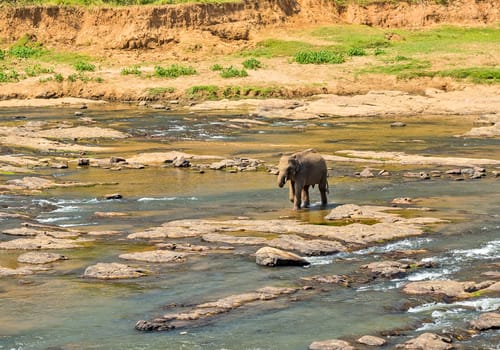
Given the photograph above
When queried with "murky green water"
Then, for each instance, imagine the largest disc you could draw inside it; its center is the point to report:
(59, 309)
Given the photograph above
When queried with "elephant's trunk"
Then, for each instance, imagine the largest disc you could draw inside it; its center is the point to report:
(281, 179)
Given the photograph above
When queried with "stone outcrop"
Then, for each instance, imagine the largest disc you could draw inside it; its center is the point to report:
(268, 256)
(427, 341)
(112, 271)
(449, 288)
(371, 340)
(40, 241)
(331, 344)
(206, 311)
(40, 257)
(489, 320)
(156, 256)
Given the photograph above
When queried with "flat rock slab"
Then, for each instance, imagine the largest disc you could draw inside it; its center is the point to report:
(81, 132)
(449, 288)
(41, 241)
(20, 271)
(329, 279)
(40, 258)
(427, 341)
(112, 271)
(371, 340)
(156, 256)
(309, 247)
(206, 311)
(220, 238)
(387, 268)
(490, 320)
(356, 233)
(155, 158)
(268, 256)
(32, 183)
(403, 158)
(331, 344)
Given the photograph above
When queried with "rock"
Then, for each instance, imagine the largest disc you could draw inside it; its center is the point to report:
(421, 175)
(427, 341)
(403, 200)
(268, 256)
(217, 237)
(83, 162)
(109, 271)
(113, 196)
(22, 231)
(332, 344)
(490, 320)
(311, 247)
(181, 162)
(366, 173)
(397, 125)
(387, 268)
(202, 312)
(6, 272)
(330, 279)
(41, 241)
(448, 288)
(371, 340)
(156, 256)
(40, 257)
(158, 106)
(109, 214)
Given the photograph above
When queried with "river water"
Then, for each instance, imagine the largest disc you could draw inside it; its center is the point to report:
(59, 309)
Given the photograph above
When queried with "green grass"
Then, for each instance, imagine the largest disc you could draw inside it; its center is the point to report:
(231, 92)
(277, 48)
(133, 70)
(232, 72)
(174, 71)
(8, 76)
(37, 69)
(25, 48)
(216, 68)
(84, 66)
(252, 63)
(203, 91)
(319, 57)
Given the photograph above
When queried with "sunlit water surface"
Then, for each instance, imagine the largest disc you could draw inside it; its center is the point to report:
(59, 309)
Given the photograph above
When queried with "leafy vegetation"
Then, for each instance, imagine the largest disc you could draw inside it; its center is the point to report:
(232, 72)
(37, 69)
(8, 76)
(174, 71)
(203, 91)
(319, 57)
(231, 92)
(84, 66)
(133, 70)
(252, 63)
(25, 47)
(216, 67)
(160, 91)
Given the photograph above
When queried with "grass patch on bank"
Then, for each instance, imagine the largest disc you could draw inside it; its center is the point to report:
(212, 92)
(173, 71)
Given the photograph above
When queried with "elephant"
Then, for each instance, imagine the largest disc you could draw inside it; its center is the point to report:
(303, 169)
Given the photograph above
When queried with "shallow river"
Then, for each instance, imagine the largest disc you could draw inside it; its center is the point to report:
(61, 310)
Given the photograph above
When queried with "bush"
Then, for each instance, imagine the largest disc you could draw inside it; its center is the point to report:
(232, 72)
(216, 68)
(58, 77)
(356, 51)
(36, 70)
(252, 63)
(9, 76)
(83, 66)
(174, 71)
(207, 91)
(319, 57)
(26, 48)
(135, 70)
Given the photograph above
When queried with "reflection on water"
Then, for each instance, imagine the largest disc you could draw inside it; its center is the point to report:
(61, 309)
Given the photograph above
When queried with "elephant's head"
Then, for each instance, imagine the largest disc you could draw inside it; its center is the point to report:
(288, 167)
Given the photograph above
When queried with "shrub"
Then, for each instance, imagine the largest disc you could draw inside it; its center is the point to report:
(174, 71)
(319, 57)
(232, 72)
(83, 66)
(378, 51)
(9, 76)
(25, 47)
(134, 70)
(216, 67)
(252, 63)
(208, 91)
(58, 77)
(356, 51)
(36, 70)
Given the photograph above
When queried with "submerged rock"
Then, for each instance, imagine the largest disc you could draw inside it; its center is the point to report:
(206, 311)
(156, 256)
(41, 241)
(20, 271)
(268, 256)
(40, 258)
(490, 320)
(111, 271)
(329, 279)
(427, 341)
(371, 340)
(332, 344)
(449, 288)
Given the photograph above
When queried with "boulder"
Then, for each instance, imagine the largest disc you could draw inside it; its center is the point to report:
(156, 256)
(41, 241)
(40, 258)
(111, 271)
(427, 341)
(311, 247)
(448, 288)
(268, 256)
(387, 268)
(370, 340)
(490, 320)
(331, 344)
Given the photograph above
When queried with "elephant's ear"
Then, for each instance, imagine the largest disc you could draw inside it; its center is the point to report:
(295, 164)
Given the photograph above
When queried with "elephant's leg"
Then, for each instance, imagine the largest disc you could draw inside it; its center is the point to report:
(291, 194)
(305, 196)
(297, 200)
(323, 189)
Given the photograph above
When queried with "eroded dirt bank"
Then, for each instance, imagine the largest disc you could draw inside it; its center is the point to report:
(150, 27)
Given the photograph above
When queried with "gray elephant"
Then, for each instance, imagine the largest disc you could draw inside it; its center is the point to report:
(303, 169)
